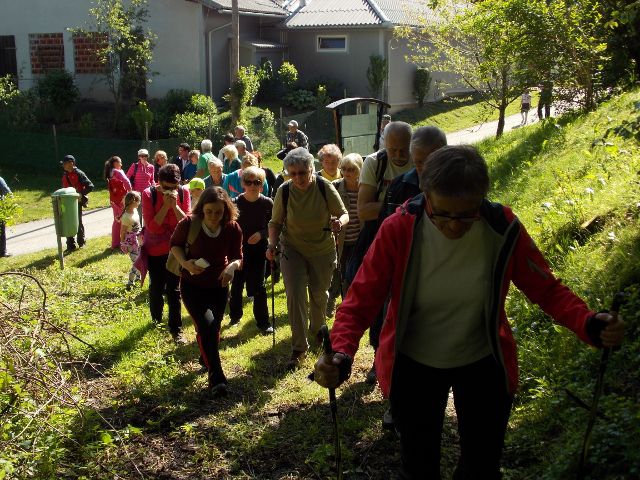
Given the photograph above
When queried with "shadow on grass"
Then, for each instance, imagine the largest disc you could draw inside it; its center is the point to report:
(43, 263)
(107, 252)
(109, 356)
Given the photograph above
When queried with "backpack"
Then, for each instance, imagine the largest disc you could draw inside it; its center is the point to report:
(172, 262)
(132, 179)
(154, 194)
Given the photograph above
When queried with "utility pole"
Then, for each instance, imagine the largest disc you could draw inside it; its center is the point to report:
(235, 57)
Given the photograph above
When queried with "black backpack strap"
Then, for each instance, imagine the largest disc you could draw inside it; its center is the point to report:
(132, 179)
(381, 168)
(320, 181)
(154, 195)
(285, 198)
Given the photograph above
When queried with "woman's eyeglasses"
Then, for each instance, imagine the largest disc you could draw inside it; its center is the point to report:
(443, 219)
(349, 169)
(255, 183)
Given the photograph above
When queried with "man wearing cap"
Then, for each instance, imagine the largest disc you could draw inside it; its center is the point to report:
(239, 134)
(140, 175)
(297, 136)
(76, 178)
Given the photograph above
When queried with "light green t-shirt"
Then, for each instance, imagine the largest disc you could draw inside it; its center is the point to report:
(203, 161)
(445, 327)
(307, 216)
(368, 173)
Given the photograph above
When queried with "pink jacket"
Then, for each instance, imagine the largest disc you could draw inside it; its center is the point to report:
(384, 268)
(157, 237)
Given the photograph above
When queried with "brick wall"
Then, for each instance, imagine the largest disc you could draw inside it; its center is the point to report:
(47, 52)
(85, 48)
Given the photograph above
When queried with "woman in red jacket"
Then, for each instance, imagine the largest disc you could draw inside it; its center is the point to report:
(448, 257)
(208, 264)
(119, 185)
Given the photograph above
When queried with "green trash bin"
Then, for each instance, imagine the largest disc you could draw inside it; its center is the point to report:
(65, 211)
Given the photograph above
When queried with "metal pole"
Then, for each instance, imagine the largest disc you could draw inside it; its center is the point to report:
(55, 201)
(55, 141)
(333, 404)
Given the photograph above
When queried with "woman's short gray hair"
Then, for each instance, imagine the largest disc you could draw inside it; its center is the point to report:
(428, 138)
(215, 162)
(456, 171)
(206, 146)
(298, 156)
(352, 160)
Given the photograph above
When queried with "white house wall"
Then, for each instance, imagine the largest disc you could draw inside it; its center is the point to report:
(178, 54)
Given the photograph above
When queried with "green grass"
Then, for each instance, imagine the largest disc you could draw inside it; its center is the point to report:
(151, 410)
(454, 114)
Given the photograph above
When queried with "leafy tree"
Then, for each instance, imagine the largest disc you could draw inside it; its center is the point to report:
(58, 94)
(376, 74)
(197, 123)
(481, 42)
(127, 48)
(288, 76)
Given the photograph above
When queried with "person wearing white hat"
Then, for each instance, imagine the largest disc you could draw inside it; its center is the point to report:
(297, 136)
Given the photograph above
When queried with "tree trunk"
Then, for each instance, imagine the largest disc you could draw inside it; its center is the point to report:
(235, 60)
(504, 92)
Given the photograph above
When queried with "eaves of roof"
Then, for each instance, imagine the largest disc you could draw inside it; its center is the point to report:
(267, 7)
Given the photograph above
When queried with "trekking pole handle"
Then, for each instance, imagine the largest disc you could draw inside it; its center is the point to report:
(326, 341)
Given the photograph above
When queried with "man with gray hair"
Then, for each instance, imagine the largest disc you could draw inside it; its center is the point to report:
(205, 155)
(241, 146)
(240, 134)
(296, 136)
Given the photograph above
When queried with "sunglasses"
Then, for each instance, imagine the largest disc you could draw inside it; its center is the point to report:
(255, 183)
(442, 219)
(349, 169)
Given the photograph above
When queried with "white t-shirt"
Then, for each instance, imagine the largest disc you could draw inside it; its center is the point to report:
(131, 220)
(445, 327)
(368, 173)
(526, 99)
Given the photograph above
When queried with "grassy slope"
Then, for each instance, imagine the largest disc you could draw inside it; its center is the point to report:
(277, 424)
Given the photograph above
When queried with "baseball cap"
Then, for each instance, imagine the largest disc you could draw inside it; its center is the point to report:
(68, 158)
(196, 183)
(143, 151)
(293, 123)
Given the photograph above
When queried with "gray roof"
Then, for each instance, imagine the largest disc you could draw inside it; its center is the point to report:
(253, 6)
(344, 13)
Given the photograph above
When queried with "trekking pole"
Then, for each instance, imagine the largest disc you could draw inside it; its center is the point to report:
(273, 302)
(338, 267)
(618, 299)
(328, 350)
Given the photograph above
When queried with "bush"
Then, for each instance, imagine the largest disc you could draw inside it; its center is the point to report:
(86, 125)
(58, 94)
(300, 99)
(18, 109)
(421, 85)
(287, 76)
(377, 74)
(175, 101)
(141, 115)
(199, 122)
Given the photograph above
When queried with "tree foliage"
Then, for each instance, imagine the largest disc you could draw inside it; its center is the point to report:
(421, 84)
(376, 74)
(127, 49)
(197, 123)
(58, 94)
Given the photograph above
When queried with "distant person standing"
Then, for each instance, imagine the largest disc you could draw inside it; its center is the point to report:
(330, 156)
(205, 155)
(386, 120)
(296, 136)
(4, 190)
(182, 160)
(118, 185)
(190, 170)
(240, 134)
(525, 106)
(76, 178)
(160, 159)
(546, 97)
(228, 139)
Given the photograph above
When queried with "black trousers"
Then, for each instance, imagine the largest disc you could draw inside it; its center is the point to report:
(198, 302)
(3, 239)
(162, 281)
(80, 235)
(339, 276)
(418, 399)
(251, 275)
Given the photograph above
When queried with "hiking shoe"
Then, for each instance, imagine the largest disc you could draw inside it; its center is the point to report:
(268, 330)
(219, 390)
(371, 377)
(387, 420)
(179, 338)
(295, 360)
(331, 307)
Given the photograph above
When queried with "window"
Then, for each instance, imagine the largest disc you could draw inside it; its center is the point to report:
(331, 43)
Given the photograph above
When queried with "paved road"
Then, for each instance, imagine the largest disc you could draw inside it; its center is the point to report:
(39, 235)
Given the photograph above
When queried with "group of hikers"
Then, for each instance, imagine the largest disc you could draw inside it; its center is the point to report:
(406, 236)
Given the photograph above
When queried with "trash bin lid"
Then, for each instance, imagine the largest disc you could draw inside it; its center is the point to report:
(65, 192)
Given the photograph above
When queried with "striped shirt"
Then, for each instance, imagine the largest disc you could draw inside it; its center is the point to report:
(144, 176)
(353, 227)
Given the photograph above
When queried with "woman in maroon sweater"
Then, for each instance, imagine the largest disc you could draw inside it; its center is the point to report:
(208, 266)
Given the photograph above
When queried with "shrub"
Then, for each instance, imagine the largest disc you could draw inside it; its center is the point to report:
(86, 125)
(300, 99)
(175, 101)
(198, 122)
(58, 94)
(18, 109)
(421, 85)
(143, 118)
(322, 97)
(377, 74)
(288, 76)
